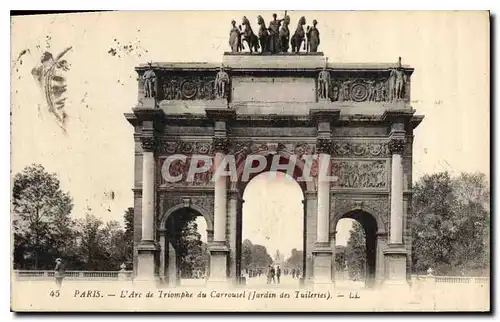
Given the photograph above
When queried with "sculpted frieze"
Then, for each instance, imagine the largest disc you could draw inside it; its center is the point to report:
(188, 87)
(360, 149)
(360, 174)
(185, 147)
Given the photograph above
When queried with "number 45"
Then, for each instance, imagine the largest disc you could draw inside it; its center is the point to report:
(54, 293)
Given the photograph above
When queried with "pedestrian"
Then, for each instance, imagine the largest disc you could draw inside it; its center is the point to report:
(293, 273)
(59, 272)
(273, 275)
(278, 274)
(269, 274)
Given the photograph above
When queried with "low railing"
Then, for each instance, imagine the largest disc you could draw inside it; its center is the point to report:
(449, 279)
(97, 275)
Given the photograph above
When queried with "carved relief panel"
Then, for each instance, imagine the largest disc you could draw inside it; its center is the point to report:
(361, 174)
(187, 88)
(179, 168)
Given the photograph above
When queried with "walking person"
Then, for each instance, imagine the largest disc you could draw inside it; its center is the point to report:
(278, 274)
(293, 273)
(59, 272)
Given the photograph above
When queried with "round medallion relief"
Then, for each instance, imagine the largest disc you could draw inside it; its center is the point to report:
(188, 89)
(359, 92)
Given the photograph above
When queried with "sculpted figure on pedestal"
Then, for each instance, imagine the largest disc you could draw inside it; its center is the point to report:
(324, 84)
(298, 36)
(149, 78)
(397, 82)
(221, 83)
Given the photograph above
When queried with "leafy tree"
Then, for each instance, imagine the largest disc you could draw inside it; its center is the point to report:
(295, 259)
(450, 224)
(91, 248)
(254, 256)
(129, 234)
(41, 222)
(340, 257)
(356, 252)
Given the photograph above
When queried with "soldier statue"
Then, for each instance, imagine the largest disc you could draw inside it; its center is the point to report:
(324, 84)
(284, 35)
(149, 78)
(313, 37)
(235, 38)
(397, 82)
(221, 83)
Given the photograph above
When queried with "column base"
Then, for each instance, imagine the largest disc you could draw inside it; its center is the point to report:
(395, 257)
(218, 264)
(146, 261)
(322, 264)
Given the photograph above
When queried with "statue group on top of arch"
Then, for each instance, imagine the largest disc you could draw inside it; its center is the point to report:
(274, 39)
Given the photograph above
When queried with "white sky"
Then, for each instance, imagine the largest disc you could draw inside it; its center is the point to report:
(450, 86)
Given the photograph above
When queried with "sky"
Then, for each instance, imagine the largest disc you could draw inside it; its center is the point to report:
(450, 86)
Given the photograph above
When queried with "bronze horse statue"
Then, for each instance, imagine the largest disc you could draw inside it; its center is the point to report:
(249, 36)
(298, 36)
(263, 34)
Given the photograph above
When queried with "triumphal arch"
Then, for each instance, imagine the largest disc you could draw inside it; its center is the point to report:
(358, 117)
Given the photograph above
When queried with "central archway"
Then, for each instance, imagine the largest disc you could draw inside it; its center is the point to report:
(276, 229)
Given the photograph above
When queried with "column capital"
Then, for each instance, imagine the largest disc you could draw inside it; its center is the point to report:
(148, 143)
(324, 115)
(323, 145)
(220, 144)
(397, 145)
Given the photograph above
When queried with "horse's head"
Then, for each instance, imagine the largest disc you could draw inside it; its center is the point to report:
(302, 21)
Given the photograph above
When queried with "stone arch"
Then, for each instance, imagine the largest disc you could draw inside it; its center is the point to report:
(343, 207)
(300, 164)
(187, 204)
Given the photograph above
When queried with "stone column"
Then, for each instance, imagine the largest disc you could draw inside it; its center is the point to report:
(163, 250)
(311, 212)
(322, 250)
(333, 235)
(396, 146)
(381, 243)
(147, 247)
(219, 248)
(232, 232)
(396, 252)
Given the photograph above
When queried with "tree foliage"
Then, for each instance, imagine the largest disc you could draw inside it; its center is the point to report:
(254, 256)
(450, 224)
(295, 259)
(45, 230)
(40, 218)
(355, 252)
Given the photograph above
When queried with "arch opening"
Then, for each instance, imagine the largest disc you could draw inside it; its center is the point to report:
(356, 249)
(184, 247)
(269, 224)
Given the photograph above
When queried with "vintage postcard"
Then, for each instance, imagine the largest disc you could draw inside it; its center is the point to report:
(251, 161)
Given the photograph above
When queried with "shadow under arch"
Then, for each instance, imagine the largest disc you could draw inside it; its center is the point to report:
(187, 204)
(373, 227)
